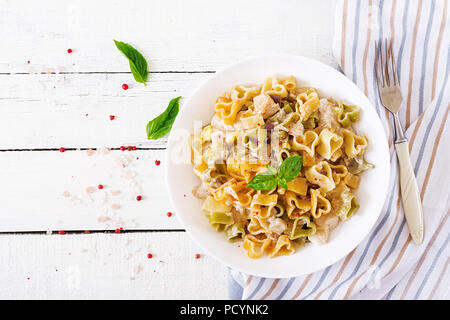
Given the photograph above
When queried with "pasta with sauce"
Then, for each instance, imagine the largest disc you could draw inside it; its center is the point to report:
(257, 126)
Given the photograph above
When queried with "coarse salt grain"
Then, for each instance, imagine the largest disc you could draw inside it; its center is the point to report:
(103, 219)
(90, 189)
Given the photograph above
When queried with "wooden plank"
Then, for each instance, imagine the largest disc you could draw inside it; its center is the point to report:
(45, 190)
(178, 35)
(108, 266)
(55, 110)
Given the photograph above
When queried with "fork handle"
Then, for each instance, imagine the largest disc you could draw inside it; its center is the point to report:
(410, 193)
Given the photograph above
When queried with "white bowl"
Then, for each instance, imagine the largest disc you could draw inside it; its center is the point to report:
(181, 179)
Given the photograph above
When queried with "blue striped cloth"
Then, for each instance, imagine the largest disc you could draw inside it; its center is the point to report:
(387, 264)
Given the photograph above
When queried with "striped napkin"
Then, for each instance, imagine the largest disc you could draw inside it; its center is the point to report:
(387, 264)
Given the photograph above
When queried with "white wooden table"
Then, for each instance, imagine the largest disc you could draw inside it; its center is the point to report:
(51, 99)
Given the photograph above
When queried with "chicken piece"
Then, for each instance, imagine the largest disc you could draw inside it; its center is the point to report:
(330, 221)
(321, 236)
(277, 225)
(324, 224)
(265, 105)
(297, 129)
(327, 116)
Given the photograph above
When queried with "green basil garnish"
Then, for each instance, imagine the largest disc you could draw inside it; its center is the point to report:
(289, 169)
(138, 64)
(263, 182)
(162, 124)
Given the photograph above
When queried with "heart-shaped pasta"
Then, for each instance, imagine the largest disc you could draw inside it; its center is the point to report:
(307, 142)
(346, 114)
(227, 109)
(262, 204)
(299, 186)
(329, 143)
(235, 232)
(322, 175)
(255, 247)
(283, 247)
(353, 144)
(238, 191)
(308, 102)
(294, 205)
(319, 204)
(213, 205)
(272, 86)
(339, 172)
(243, 93)
(258, 225)
(220, 220)
(343, 202)
(290, 83)
(298, 230)
(351, 180)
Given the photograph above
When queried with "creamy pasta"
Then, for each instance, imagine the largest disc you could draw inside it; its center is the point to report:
(253, 131)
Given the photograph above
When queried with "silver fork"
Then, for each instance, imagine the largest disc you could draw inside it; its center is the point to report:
(391, 98)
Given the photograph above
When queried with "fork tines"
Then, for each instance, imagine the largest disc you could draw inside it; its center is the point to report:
(386, 76)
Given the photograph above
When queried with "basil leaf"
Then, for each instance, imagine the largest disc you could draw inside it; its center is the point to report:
(271, 170)
(138, 64)
(162, 124)
(263, 182)
(290, 168)
(282, 183)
